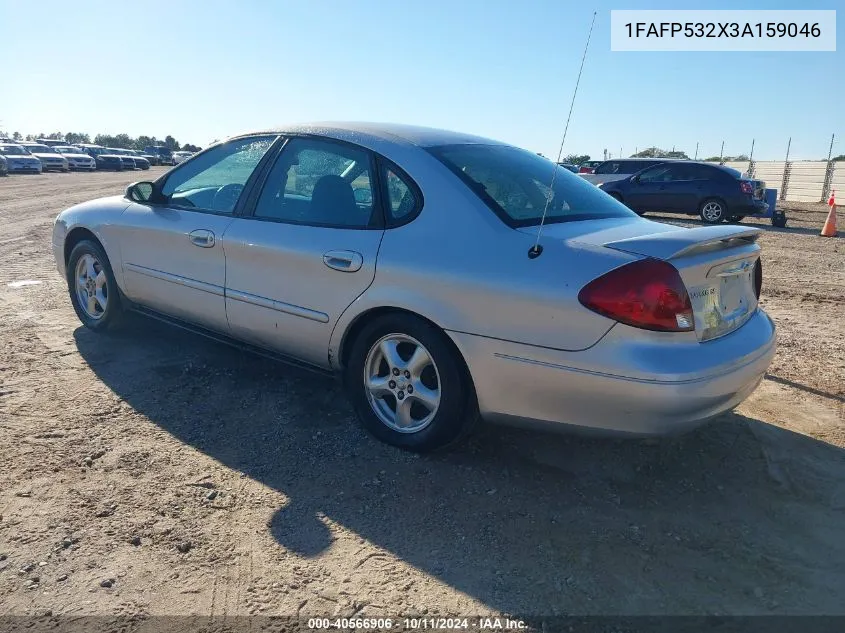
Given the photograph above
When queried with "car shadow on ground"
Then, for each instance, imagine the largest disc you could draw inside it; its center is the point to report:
(737, 517)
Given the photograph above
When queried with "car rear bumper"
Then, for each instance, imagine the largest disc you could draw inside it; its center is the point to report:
(623, 385)
(746, 206)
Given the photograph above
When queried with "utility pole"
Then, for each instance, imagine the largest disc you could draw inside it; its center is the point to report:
(696, 151)
(751, 155)
(722, 153)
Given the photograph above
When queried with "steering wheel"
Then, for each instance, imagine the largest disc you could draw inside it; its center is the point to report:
(226, 197)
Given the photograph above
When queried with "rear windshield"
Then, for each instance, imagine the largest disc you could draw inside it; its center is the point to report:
(515, 185)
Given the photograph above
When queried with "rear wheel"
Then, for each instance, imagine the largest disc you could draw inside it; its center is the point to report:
(408, 385)
(93, 290)
(713, 211)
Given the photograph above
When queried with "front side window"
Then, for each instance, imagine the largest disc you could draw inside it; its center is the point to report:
(516, 184)
(660, 173)
(215, 181)
(320, 183)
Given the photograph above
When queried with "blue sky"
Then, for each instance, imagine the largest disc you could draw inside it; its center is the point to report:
(201, 70)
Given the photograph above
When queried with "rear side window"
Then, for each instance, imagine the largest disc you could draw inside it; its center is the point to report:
(403, 198)
(320, 183)
(699, 172)
(516, 185)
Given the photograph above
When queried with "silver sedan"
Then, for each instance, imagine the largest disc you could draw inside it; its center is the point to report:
(445, 277)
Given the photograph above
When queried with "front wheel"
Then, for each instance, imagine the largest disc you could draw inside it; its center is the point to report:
(93, 290)
(408, 384)
(713, 211)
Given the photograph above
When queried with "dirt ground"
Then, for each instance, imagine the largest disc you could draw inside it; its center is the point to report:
(152, 472)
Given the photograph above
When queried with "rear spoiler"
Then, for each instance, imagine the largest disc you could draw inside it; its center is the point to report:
(683, 242)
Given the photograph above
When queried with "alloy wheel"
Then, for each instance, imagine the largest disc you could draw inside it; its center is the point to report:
(402, 383)
(92, 289)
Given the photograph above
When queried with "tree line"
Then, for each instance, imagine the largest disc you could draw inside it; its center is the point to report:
(123, 141)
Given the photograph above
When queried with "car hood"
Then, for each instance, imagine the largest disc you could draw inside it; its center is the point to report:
(40, 155)
(77, 156)
(643, 237)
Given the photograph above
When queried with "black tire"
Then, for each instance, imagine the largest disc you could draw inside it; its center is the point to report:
(457, 411)
(736, 218)
(111, 316)
(713, 211)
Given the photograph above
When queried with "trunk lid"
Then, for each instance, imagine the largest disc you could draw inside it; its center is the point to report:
(717, 263)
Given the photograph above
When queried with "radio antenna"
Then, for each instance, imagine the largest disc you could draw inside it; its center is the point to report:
(535, 250)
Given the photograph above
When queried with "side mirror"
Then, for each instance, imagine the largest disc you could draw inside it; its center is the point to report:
(635, 180)
(140, 191)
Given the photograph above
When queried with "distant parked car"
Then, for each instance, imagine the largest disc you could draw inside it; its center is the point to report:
(588, 166)
(51, 142)
(141, 162)
(18, 160)
(151, 158)
(617, 169)
(127, 159)
(51, 160)
(4, 167)
(570, 167)
(164, 154)
(714, 192)
(106, 161)
(76, 158)
(179, 157)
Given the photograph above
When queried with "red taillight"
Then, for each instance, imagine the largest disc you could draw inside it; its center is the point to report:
(746, 187)
(648, 294)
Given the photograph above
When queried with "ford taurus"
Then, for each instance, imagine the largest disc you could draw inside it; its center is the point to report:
(445, 277)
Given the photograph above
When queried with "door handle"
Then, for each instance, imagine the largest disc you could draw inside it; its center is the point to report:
(344, 261)
(202, 238)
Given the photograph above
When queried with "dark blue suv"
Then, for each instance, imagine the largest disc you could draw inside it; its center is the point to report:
(714, 192)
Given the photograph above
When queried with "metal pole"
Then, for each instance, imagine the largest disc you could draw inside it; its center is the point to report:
(751, 155)
(620, 152)
(828, 172)
(696, 151)
(721, 152)
(785, 181)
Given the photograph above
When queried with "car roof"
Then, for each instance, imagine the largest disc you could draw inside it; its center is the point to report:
(389, 132)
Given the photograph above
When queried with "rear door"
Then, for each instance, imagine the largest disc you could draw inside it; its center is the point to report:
(308, 249)
(172, 251)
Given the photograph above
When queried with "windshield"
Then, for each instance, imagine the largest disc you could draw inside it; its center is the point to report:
(40, 149)
(13, 150)
(67, 150)
(515, 185)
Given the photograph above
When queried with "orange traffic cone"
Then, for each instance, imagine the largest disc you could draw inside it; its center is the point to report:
(829, 229)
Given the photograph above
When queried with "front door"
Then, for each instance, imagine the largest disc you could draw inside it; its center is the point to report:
(307, 252)
(171, 248)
